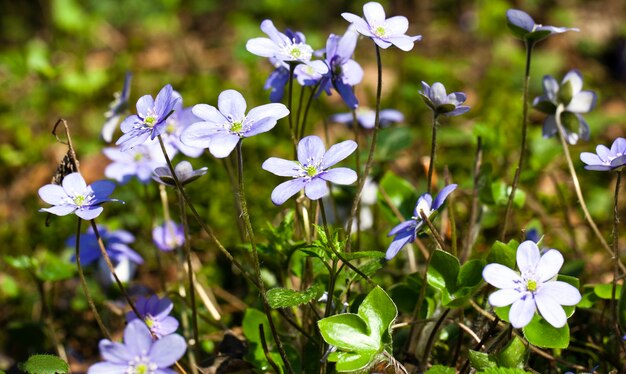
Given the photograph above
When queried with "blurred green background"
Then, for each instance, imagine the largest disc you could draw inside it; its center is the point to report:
(66, 58)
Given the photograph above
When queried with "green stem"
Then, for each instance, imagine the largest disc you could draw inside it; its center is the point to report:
(616, 262)
(83, 282)
(255, 256)
(370, 156)
(520, 163)
(579, 192)
(292, 67)
(433, 153)
(306, 110)
(192, 288)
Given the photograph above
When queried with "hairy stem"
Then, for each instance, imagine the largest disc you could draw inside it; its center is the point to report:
(433, 153)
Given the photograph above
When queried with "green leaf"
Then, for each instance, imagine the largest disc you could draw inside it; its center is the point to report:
(621, 309)
(250, 324)
(348, 361)
(44, 364)
(589, 297)
(9, 287)
(392, 141)
(400, 193)
(440, 369)
(20, 262)
(471, 273)
(379, 312)
(443, 271)
(348, 332)
(503, 254)
(503, 312)
(500, 370)
(513, 355)
(542, 334)
(605, 291)
(363, 254)
(481, 360)
(283, 297)
(52, 268)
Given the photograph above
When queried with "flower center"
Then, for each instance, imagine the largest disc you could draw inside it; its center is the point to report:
(311, 170)
(141, 365)
(300, 51)
(422, 206)
(531, 285)
(141, 369)
(380, 31)
(150, 121)
(236, 127)
(137, 157)
(79, 200)
(149, 321)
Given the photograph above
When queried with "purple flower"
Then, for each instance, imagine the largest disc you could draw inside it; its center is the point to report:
(150, 119)
(155, 313)
(174, 126)
(366, 117)
(116, 108)
(574, 100)
(606, 159)
(533, 287)
(75, 196)
(222, 128)
(138, 162)
(139, 353)
(116, 243)
(168, 236)
(184, 172)
(383, 31)
(407, 231)
(344, 72)
(277, 80)
(311, 171)
(440, 102)
(524, 27)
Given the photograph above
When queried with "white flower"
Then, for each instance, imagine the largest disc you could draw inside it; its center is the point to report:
(535, 288)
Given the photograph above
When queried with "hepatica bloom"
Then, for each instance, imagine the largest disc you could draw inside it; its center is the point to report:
(155, 313)
(116, 243)
(532, 288)
(407, 231)
(150, 120)
(524, 27)
(575, 101)
(168, 236)
(138, 162)
(75, 196)
(366, 117)
(184, 172)
(116, 109)
(312, 170)
(139, 353)
(606, 159)
(440, 102)
(178, 121)
(224, 126)
(383, 31)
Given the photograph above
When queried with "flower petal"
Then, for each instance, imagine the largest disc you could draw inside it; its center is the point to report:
(208, 113)
(359, 23)
(550, 310)
(145, 104)
(404, 42)
(281, 167)
(114, 352)
(549, 127)
(398, 242)
(550, 87)
(107, 368)
(168, 326)
(501, 276)
(504, 297)
(591, 158)
(522, 311)
(520, 19)
(137, 338)
(374, 13)
(263, 47)
(528, 256)
(223, 144)
(583, 102)
(443, 194)
(561, 292)
(316, 188)
(53, 194)
(60, 210)
(164, 101)
(396, 25)
(102, 189)
(549, 265)
(310, 149)
(232, 104)
(285, 190)
(337, 153)
(339, 176)
(575, 79)
(167, 350)
(89, 212)
(74, 184)
(404, 226)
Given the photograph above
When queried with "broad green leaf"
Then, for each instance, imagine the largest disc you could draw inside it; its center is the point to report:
(605, 291)
(404, 297)
(348, 332)
(589, 297)
(514, 354)
(20, 262)
(51, 268)
(500, 370)
(443, 271)
(542, 334)
(503, 254)
(392, 141)
(283, 297)
(9, 287)
(440, 369)
(251, 321)
(471, 273)
(348, 361)
(503, 312)
(400, 194)
(44, 364)
(379, 311)
(481, 360)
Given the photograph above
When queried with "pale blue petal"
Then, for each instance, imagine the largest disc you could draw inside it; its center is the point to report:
(397, 25)
(129, 123)
(504, 297)
(74, 184)
(232, 104)
(359, 23)
(60, 210)
(339, 176)
(285, 190)
(107, 368)
(501, 276)
(337, 153)
(53, 194)
(590, 158)
(398, 242)
(281, 167)
(167, 350)
(352, 73)
(316, 188)
(550, 310)
(528, 256)
(163, 103)
(561, 292)
(263, 47)
(522, 311)
(582, 102)
(442, 196)
(145, 105)
(404, 226)
(115, 353)
(208, 113)
(520, 19)
(267, 26)
(575, 79)
(404, 42)
(374, 13)
(199, 134)
(223, 144)
(549, 127)
(137, 338)
(549, 265)
(89, 213)
(310, 149)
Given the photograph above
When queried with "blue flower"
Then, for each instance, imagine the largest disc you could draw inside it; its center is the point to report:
(606, 159)
(383, 31)
(155, 313)
(168, 236)
(174, 127)
(524, 27)
(116, 109)
(440, 102)
(138, 162)
(139, 353)
(574, 100)
(116, 243)
(150, 119)
(534, 287)
(223, 127)
(184, 172)
(312, 170)
(366, 117)
(407, 231)
(75, 196)
(277, 80)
